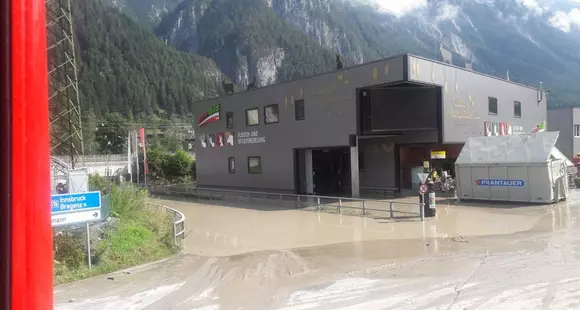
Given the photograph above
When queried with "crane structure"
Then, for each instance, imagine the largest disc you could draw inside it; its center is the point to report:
(66, 137)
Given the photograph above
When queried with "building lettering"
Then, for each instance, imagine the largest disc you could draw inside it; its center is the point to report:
(327, 93)
(463, 110)
(250, 137)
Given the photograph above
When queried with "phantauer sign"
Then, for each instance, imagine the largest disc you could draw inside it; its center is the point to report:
(500, 182)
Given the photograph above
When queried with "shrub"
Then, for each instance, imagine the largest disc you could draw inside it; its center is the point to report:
(143, 234)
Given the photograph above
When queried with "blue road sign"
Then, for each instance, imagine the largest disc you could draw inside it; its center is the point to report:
(75, 202)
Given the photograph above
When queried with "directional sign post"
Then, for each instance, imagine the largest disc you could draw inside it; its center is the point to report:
(77, 208)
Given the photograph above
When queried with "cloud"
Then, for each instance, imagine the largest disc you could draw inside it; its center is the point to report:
(399, 7)
(565, 20)
(533, 5)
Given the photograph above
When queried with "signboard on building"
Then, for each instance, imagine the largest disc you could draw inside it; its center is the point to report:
(250, 137)
(438, 154)
(212, 115)
(77, 208)
(501, 129)
(500, 182)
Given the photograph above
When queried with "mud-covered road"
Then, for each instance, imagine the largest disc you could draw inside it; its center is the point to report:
(466, 258)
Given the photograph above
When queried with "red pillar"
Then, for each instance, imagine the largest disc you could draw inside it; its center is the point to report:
(31, 260)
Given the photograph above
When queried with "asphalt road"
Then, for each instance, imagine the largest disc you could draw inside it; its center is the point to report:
(482, 257)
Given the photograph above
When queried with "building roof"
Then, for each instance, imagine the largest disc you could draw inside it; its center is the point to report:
(402, 56)
(514, 149)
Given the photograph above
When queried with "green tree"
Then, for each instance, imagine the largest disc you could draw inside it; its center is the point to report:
(111, 134)
(179, 167)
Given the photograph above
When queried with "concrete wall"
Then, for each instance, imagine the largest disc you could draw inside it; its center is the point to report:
(562, 120)
(465, 99)
(330, 117)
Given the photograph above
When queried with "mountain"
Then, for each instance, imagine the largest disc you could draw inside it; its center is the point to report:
(124, 68)
(535, 40)
(146, 12)
(246, 39)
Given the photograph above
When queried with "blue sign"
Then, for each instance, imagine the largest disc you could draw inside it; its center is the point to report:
(75, 202)
(500, 182)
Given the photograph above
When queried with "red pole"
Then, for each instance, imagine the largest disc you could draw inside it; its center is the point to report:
(32, 286)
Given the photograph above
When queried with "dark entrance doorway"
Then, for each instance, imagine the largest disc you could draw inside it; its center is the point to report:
(331, 169)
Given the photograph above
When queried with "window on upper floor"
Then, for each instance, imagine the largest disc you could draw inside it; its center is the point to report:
(299, 113)
(517, 109)
(271, 114)
(252, 117)
(230, 120)
(492, 105)
(577, 130)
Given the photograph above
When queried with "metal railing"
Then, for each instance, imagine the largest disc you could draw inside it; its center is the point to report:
(97, 158)
(342, 205)
(178, 221)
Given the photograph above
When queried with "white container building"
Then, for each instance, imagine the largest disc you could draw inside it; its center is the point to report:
(512, 168)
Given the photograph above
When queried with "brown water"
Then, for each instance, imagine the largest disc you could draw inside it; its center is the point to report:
(214, 230)
(243, 257)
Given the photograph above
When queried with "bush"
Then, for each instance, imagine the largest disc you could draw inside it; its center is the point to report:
(165, 167)
(127, 202)
(97, 183)
(70, 249)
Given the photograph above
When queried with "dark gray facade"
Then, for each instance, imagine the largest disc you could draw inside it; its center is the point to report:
(466, 95)
(565, 120)
(432, 103)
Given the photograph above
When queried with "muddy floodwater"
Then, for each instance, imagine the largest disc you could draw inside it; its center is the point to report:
(242, 256)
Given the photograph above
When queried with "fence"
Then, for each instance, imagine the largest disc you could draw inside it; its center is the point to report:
(178, 221)
(87, 159)
(342, 205)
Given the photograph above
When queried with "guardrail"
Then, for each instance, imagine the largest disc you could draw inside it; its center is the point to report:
(394, 209)
(178, 221)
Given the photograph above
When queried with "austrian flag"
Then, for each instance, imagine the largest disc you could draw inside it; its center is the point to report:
(212, 115)
(541, 127)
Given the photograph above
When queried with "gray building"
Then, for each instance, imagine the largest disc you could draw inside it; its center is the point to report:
(567, 121)
(361, 128)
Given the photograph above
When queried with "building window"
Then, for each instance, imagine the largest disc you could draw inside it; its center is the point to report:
(271, 114)
(252, 117)
(255, 165)
(232, 164)
(361, 161)
(492, 105)
(230, 120)
(577, 130)
(517, 109)
(299, 109)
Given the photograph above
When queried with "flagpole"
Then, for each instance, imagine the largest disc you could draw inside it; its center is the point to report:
(134, 133)
(129, 167)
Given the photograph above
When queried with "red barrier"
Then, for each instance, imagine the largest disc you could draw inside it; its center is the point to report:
(31, 276)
